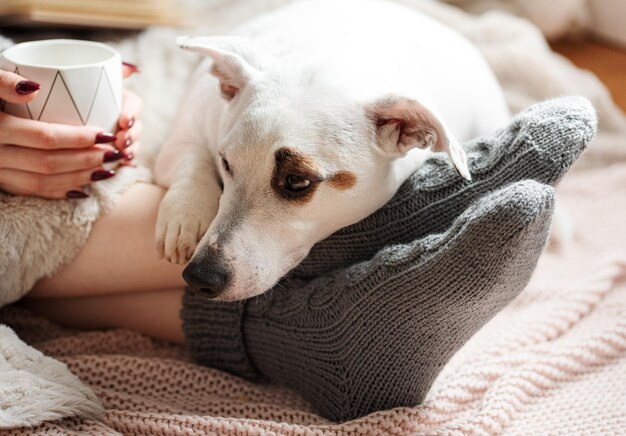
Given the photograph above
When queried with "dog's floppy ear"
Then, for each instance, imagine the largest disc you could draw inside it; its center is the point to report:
(402, 124)
(235, 61)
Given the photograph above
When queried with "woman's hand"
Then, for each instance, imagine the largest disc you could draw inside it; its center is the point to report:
(55, 160)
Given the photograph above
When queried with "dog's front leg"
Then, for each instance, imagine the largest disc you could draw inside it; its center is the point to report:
(188, 207)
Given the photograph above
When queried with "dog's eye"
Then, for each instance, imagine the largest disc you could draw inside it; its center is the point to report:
(225, 165)
(295, 183)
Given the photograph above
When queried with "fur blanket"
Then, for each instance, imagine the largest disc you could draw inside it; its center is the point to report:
(152, 387)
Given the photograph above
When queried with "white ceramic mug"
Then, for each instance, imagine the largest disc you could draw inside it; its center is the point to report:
(81, 82)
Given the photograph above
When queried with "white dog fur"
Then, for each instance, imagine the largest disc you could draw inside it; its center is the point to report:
(311, 118)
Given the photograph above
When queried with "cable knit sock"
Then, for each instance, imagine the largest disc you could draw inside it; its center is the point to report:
(540, 144)
(375, 335)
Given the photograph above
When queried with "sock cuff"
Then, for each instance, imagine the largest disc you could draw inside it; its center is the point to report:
(214, 334)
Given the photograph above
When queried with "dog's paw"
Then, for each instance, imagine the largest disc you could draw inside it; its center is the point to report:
(181, 223)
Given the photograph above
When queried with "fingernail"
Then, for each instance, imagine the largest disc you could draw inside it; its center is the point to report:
(131, 122)
(128, 142)
(76, 194)
(27, 87)
(113, 155)
(133, 67)
(103, 138)
(102, 174)
(130, 156)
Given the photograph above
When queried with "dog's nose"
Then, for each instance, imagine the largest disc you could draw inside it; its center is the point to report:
(207, 275)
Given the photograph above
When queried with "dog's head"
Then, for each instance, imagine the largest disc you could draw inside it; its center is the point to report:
(299, 158)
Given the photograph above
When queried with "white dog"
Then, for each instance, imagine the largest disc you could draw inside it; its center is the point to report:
(306, 122)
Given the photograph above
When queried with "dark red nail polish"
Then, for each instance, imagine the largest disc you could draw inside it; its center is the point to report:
(113, 155)
(131, 122)
(134, 68)
(101, 175)
(76, 194)
(128, 142)
(27, 87)
(103, 138)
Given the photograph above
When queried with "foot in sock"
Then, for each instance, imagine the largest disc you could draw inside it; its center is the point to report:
(540, 144)
(375, 335)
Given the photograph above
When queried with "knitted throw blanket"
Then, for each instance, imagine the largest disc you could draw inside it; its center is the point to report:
(551, 362)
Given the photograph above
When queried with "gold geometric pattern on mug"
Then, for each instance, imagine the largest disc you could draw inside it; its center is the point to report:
(83, 119)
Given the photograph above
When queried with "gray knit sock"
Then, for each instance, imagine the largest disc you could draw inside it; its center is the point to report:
(540, 144)
(375, 335)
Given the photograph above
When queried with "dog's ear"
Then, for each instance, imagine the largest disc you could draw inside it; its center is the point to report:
(235, 61)
(402, 124)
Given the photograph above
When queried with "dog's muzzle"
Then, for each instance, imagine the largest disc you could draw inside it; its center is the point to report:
(207, 273)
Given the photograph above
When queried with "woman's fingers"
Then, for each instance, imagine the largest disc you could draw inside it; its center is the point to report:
(125, 138)
(55, 160)
(49, 186)
(135, 132)
(131, 103)
(132, 151)
(130, 126)
(129, 69)
(59, 161)
(37, 134)
(131, 107)
(16, 89)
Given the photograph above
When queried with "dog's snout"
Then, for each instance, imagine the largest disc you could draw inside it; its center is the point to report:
(207, 274)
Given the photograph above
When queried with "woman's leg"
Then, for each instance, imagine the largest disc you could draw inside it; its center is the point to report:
(155, 313)
(116, 279)
(119, 255)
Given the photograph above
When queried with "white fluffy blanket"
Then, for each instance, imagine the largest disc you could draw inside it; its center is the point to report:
(38, 236)
(36, 388)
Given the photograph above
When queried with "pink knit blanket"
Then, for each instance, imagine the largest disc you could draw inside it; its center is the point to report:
(554, 361)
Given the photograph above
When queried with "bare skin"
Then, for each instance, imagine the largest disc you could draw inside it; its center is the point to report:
(119, 256)
(116, 279)
(155, 313)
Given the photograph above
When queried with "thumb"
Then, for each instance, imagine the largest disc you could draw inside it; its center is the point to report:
(17, 89)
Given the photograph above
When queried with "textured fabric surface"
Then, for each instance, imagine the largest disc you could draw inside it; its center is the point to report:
(550, 363)
(36, 388)
(375, 335)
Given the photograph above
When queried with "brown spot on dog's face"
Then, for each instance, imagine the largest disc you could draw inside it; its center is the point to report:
(343, 180)
(295, 176)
